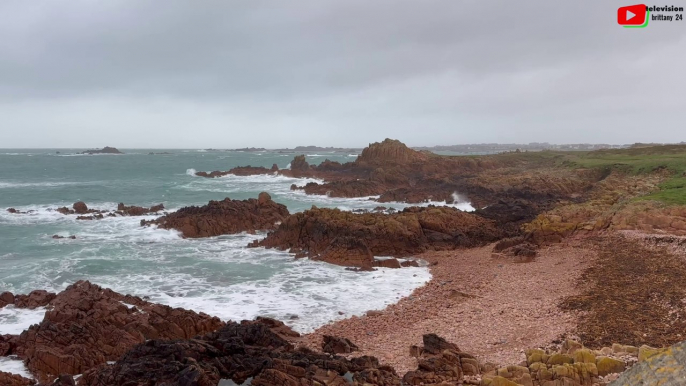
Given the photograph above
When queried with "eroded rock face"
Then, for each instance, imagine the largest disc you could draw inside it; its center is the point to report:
(88, 325)
(224, 217)
(237, 351)
(347, 238)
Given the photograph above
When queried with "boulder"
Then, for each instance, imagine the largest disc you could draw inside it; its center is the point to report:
(6, 298)
(80, 207)
(338, 345)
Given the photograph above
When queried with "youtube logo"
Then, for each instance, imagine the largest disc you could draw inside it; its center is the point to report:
(633, 15)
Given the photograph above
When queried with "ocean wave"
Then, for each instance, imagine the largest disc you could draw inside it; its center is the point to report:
(316, 292)
(13, 365)
(16, 320)
(191, 172)
(14, 185)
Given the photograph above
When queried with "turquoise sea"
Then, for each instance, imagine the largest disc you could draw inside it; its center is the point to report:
(217, 275)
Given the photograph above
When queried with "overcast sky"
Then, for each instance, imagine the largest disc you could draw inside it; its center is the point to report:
(197, 74)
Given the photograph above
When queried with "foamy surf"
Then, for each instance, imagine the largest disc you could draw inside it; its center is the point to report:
(13, 365)
(303, 294)
(15, 320)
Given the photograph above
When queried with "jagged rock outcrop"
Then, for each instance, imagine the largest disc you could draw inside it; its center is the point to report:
(390, 151)
(35, 299)
(343, 238)
(224, 217)
(440, 363)
(87, 325)
(238, 351)
(104, 150)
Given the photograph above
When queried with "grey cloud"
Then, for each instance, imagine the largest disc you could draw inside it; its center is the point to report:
(465, 71)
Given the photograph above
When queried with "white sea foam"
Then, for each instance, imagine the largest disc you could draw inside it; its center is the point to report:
(13, 365)
(15, 320)
(316, 292)
(191, 172)
(13, 185)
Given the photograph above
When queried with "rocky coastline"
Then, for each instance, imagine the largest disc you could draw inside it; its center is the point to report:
(569, 272)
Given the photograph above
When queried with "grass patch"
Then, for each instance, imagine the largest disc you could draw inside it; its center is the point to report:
(671, 192)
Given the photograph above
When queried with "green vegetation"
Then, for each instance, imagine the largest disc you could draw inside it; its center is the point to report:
(667, 159)
(671, 192)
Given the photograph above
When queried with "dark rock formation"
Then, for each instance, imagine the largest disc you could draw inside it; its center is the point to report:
(240, 171)
(6, 298)
(8, 344)
(104, 150)
(133, 210)
(224, 217)
(299, 163)
(95, 214)
(338, 345)
(7, 379)
(88, 325)
(57, 237)
(345, 238)
(80, 207)
(522, 248)
(238, 351)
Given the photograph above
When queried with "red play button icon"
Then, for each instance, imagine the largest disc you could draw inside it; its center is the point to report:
(632, 15)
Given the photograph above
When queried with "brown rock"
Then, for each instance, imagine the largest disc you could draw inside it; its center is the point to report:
(338, 345)
(124, 210)
(88, 325)
(35, 299)
(80, 207)
(325, 232)
(6, 298)
(224, 217)
(299, 163)
(8, 379)
(348, 252)
(237, 352)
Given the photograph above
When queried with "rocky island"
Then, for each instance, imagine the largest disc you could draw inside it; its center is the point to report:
(104, 150)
